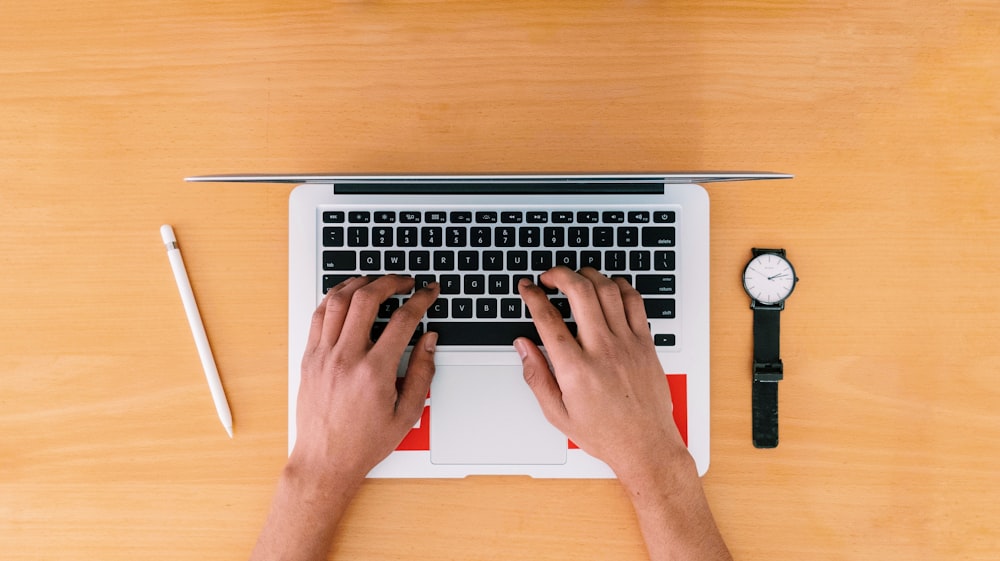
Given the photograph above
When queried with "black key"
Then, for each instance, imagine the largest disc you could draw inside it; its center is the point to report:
(511, 217)
(382, 236)
(409, 217)
(510, 308)
(664, 216)
(461, 217)
(371, 260)
(468, 260)
(538, 216)
(486, 217)
(479, 236)
(655, 284)
(516, 279)
(604, 236)
(638, 260)
(499, 284)
(541, 260)
(562, 216)
(435, 216)
(659, 308)
(378, 328)
(638, 216)
(333, 236)
(555, 237)
(505, 236)
(587, 216)
(406, 236)
(528, 236)
(503, 333)
(664, 339)
(475, 284)
(517, 260)
(613, 216)
(664, 260)
(455, 237)
(395, 261)
(420, 261)
(421, 281)
(444, 260)
(486, 308)
(385, 217)
(339, 260)
(359, 217)
(451, 284)
(590, 259)
(430, 236)
(628, 236)
(439, 309)
(578, 236)
(614, 260)
(357, 236)
(566, 259)
(333, 216)
(561, 304)
(386, 308)
(492, 260)
(658, 236)
(330, 281)
(628, 278)
(461, 308)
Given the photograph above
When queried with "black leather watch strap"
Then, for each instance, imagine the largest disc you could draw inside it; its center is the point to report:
(767, 372)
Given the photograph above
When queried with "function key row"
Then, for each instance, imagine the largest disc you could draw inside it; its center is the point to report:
(500, 217)
(499, 236)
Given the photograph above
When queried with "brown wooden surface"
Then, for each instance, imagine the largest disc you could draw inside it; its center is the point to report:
(888, 114)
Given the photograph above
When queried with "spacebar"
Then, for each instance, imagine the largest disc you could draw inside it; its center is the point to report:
(467, 333)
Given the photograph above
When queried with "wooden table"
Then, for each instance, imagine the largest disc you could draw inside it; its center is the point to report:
(888, 113)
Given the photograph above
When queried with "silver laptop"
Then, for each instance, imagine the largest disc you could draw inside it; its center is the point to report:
(477, 235)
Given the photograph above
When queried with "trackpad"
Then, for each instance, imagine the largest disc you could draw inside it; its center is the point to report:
(488, 415)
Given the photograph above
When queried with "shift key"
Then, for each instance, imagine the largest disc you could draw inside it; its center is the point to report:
(660, 308)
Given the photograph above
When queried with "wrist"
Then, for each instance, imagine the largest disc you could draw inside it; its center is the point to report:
(659, 472)
(319, 484)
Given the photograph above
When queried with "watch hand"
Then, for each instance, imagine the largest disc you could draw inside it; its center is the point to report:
(778, 276)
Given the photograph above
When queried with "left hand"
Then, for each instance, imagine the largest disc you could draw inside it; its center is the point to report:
(350, 415)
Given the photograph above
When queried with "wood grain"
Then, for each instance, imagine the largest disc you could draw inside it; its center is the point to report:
(888, 114)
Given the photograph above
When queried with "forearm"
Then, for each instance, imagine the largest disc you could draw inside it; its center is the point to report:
(673, 512)
(304, 516)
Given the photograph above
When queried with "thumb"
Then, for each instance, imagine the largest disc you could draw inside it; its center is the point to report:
(542, 382)
(419, 373)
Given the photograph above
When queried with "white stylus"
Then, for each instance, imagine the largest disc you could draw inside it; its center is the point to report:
(197, 328)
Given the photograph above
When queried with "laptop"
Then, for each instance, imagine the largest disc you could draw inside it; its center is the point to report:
(477, 235)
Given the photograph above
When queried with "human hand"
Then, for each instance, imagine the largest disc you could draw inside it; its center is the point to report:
(606, 389)
(350, 415)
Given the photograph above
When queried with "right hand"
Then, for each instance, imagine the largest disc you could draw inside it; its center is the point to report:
(606, 389)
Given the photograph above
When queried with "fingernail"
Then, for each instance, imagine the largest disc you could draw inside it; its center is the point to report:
(522, 348)
(430, 341)
(524, 282)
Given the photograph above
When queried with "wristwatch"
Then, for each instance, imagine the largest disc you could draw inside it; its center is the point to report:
(769, 279)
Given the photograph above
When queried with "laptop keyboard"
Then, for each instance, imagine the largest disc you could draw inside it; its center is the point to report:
(479, 256)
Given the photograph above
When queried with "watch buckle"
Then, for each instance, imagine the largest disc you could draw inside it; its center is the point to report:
(768, 371)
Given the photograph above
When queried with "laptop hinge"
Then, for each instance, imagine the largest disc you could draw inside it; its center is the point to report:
(499, 188)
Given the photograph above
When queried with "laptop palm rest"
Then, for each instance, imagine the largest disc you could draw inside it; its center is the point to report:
(488, 415)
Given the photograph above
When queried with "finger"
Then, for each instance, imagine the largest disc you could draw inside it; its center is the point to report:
(338, 303)
(403, 322)
(542, 382)
(587, 311)
(365, 302)
(551, 328)
(316, 324)
(635, 311)
(416, 384)
(609, 295)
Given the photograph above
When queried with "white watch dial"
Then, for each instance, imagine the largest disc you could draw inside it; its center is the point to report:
(769, 278)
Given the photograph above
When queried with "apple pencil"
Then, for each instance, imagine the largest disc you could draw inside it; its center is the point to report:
(197, 328)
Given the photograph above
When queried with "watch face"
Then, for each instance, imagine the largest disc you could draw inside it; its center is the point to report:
(769, 278)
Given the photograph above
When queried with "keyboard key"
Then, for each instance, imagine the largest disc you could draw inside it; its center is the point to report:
(528, 236)
(430, 236)
(578, 236)
(492, 260)
(421, 281)
(439, 309)
(587, 216)
(382, 236)
(486, 308)
(462, 308)
(659, 308)
(517, 260)
(339, 260)
(561, 304)
(357, 236)
(451, 284)
(435, 216)
(664, 216)
(371, 260)
(614, 260)
(475, 284)
(664, 339)
(480, 236)
(395, 260)
(409, 217)
(628, 236)
(461, 217)
(658, 236)
(604, 236)
(505, 236)
(554, 237)
(566, 259)
(664, 260)
(444, 261)
(468, 260)
(420, 261)
(499, 284)
(511, 217)
(330, 281)
(541, 260)
(333, 216)
(463, 333)
(655, 284)
(385, 217)
(639, 260)
(638, 217)
(510, 308)
(406, 236)
(386, 308)
(562, 216)
(486, 217)
(613, 216)
(590, 259)
(359, 217)
(455, 236)
(333, 236)
(538, 216)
